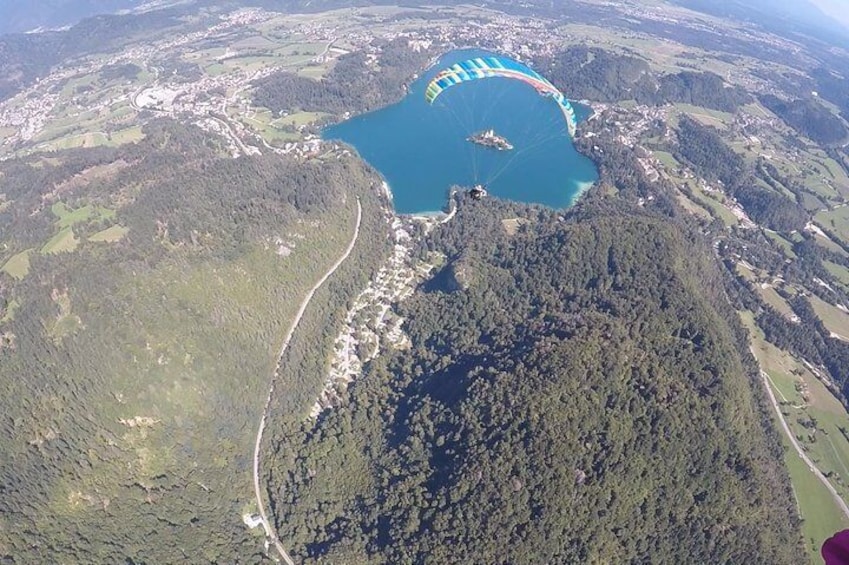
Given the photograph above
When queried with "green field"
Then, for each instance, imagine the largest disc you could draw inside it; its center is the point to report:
(839, 272)
(18, 265)
(822, 518)
(299, 119)
(110, 234)
(667, 159)
(829, 244)
(706, 116)
(315, 72)
(835, 319)
(270, 133)
(254, 42)
(63, 242)
(836, 221)
(786, 246)
(128, 135)
(11, 307)
(775, 300)
(65, 323)
(69, 217)
(803, 397)
(692, 206)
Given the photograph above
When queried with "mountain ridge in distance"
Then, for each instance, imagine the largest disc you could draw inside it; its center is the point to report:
(22, 16)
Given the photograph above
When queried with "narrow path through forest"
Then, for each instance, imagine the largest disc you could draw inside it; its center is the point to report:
(270, 533)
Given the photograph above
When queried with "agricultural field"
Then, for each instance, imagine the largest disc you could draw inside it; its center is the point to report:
(69, 217)
(715, 202)
(816, 418)
(667, 160)
(771, 297)
(110, 234)
(785, 244)
(63, 242)
(839, 272)
(18, 265)
(836, 221)
(11, 308)
(705, 116)
(835, 319)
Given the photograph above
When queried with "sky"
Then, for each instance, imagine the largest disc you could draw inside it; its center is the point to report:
(836, 9)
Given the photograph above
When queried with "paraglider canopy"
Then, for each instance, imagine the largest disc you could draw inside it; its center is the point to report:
(491, 67)
(835, 550)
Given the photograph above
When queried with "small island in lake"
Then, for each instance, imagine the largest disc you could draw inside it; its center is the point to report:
(489, 138)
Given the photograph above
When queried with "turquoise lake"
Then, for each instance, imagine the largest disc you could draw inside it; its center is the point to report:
(422, 151)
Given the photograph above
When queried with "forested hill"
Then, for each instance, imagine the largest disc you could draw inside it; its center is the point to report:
(809, 118)
(574, 393)
(24, 16)
(596, 74)
(144, 294)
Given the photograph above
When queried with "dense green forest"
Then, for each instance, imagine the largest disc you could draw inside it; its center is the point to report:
(579, 391)
(351, 86)
(809, 117)
(596, 74)
(140, 331)
(547, 409)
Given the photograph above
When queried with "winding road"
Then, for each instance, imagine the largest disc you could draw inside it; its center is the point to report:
(270, 534)
(837, 498)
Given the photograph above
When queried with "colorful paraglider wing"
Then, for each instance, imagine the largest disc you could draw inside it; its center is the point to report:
(488, 67)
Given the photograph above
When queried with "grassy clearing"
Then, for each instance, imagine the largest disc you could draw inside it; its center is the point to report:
(63, 242)
(209, 54)
(18, 265)
(829, 244)
(216, 69)
(110, 234)
(270, 133)
(82, 140)
(706, 116)
(66, 323)
(813, 203)
(836, 221)
(299, 119)
(255, 42)
(129, 135)
(11, 307)
(712, 200)
(839, 272)
(695, 208)
(251, 63)
(786, 246)
(756, 109)
(667, 159)
(775, 300)
(69, 217)
(512, 225)
(315, 72)
(821, 516)
(835, 319)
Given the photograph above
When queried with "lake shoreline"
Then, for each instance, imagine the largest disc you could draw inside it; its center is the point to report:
(421, 148)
